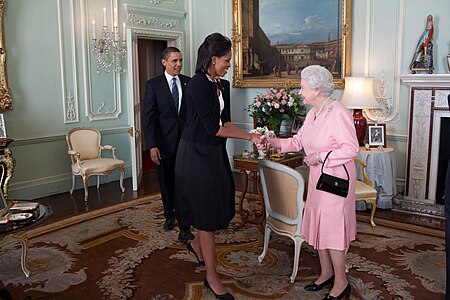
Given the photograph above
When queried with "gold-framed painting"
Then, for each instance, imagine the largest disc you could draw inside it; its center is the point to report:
(5, 92)
(273, 40)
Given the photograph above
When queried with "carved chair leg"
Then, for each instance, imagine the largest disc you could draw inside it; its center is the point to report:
(73, 184)
(85, 183)
(373, 203)
(122, 174)
(98, 182)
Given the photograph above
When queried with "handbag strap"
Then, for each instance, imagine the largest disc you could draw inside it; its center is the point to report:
(348, 177)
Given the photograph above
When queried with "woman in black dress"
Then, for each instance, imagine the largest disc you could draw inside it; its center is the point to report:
(203, 179)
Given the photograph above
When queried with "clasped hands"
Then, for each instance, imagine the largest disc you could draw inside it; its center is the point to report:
(268, 142)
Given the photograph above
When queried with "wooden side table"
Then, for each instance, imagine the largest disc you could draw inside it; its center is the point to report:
(249, 168)
(382, 170)
(11, 232)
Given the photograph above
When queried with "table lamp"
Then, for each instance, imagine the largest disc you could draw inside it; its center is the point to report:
(358, 95)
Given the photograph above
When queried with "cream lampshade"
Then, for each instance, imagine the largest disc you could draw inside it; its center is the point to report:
(358, 95)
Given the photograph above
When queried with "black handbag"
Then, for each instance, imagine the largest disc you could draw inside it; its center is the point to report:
(332, 184)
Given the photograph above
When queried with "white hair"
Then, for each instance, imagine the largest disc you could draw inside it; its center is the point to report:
(319, 78)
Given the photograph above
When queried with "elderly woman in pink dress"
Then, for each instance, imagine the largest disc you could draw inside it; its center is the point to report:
(329, 221)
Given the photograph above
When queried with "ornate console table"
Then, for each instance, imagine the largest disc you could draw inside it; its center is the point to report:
(14, 231)
(7, 165)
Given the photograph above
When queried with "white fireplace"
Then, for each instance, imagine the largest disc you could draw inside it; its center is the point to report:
(427, 107)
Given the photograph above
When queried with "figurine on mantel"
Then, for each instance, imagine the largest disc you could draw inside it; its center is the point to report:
(423, 56)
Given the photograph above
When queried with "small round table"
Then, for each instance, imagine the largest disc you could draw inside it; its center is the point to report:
(381, 169)
(14, 230)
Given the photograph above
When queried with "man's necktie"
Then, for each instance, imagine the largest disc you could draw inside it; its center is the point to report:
(175, 94)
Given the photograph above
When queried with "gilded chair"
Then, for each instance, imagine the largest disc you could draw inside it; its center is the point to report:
(282, 189)
(365, 191)
(86, 154)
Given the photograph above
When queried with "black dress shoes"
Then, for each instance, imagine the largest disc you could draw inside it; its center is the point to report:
(345, 293)
(226, 296)
(314, 287)
(169, 224)
(185, 236)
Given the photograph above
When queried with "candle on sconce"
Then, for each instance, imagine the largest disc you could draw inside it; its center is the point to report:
(116, 18)
(116, 32)
(93, 29)
(104, 16)
(123, 32)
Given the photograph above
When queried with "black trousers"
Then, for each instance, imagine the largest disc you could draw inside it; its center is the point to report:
(447, 231)
(166, 177)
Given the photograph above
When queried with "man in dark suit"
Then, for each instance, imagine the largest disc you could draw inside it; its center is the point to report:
(164, 120)
(447, 229)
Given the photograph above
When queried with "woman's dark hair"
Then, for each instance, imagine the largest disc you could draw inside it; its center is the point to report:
(214, 44)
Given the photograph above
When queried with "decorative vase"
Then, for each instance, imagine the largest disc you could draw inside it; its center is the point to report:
(262, 153)
(275, 125)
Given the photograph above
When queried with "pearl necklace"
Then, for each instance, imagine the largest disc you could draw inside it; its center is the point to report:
(320, 108)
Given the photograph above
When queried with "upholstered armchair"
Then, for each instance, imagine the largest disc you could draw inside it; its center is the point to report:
(365, 191)
(282, 189)
(85, 152)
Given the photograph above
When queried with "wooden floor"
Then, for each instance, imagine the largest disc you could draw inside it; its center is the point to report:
(66, 205)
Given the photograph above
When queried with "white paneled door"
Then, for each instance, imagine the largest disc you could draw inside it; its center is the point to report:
(134, 108)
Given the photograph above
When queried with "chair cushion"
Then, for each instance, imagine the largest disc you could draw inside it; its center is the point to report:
(98, 165)
(363, 190)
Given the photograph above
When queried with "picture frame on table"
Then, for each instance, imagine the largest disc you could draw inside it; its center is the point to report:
(297, 123)
(274, 41)
(376, 134)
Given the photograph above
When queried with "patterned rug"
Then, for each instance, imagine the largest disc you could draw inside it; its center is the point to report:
(123, 252)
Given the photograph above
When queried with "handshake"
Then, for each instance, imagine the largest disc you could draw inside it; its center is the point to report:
(268, 138)
(268, 142)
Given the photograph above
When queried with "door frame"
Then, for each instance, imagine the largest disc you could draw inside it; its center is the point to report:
(173, 38)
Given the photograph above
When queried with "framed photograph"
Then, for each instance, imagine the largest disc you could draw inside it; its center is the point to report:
(273, 40)
(2, 127)
(297, 123)
(377, 135)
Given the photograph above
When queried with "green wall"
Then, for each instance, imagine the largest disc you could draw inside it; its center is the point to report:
(49, 64)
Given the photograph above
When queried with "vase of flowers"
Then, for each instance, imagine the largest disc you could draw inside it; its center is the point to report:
(275, 105)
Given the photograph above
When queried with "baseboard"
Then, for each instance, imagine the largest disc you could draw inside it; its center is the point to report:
(399, 225)
(412, 206)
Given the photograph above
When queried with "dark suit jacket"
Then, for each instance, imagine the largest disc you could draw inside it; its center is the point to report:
(204, 110)
(162, 125)
(447, 228)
